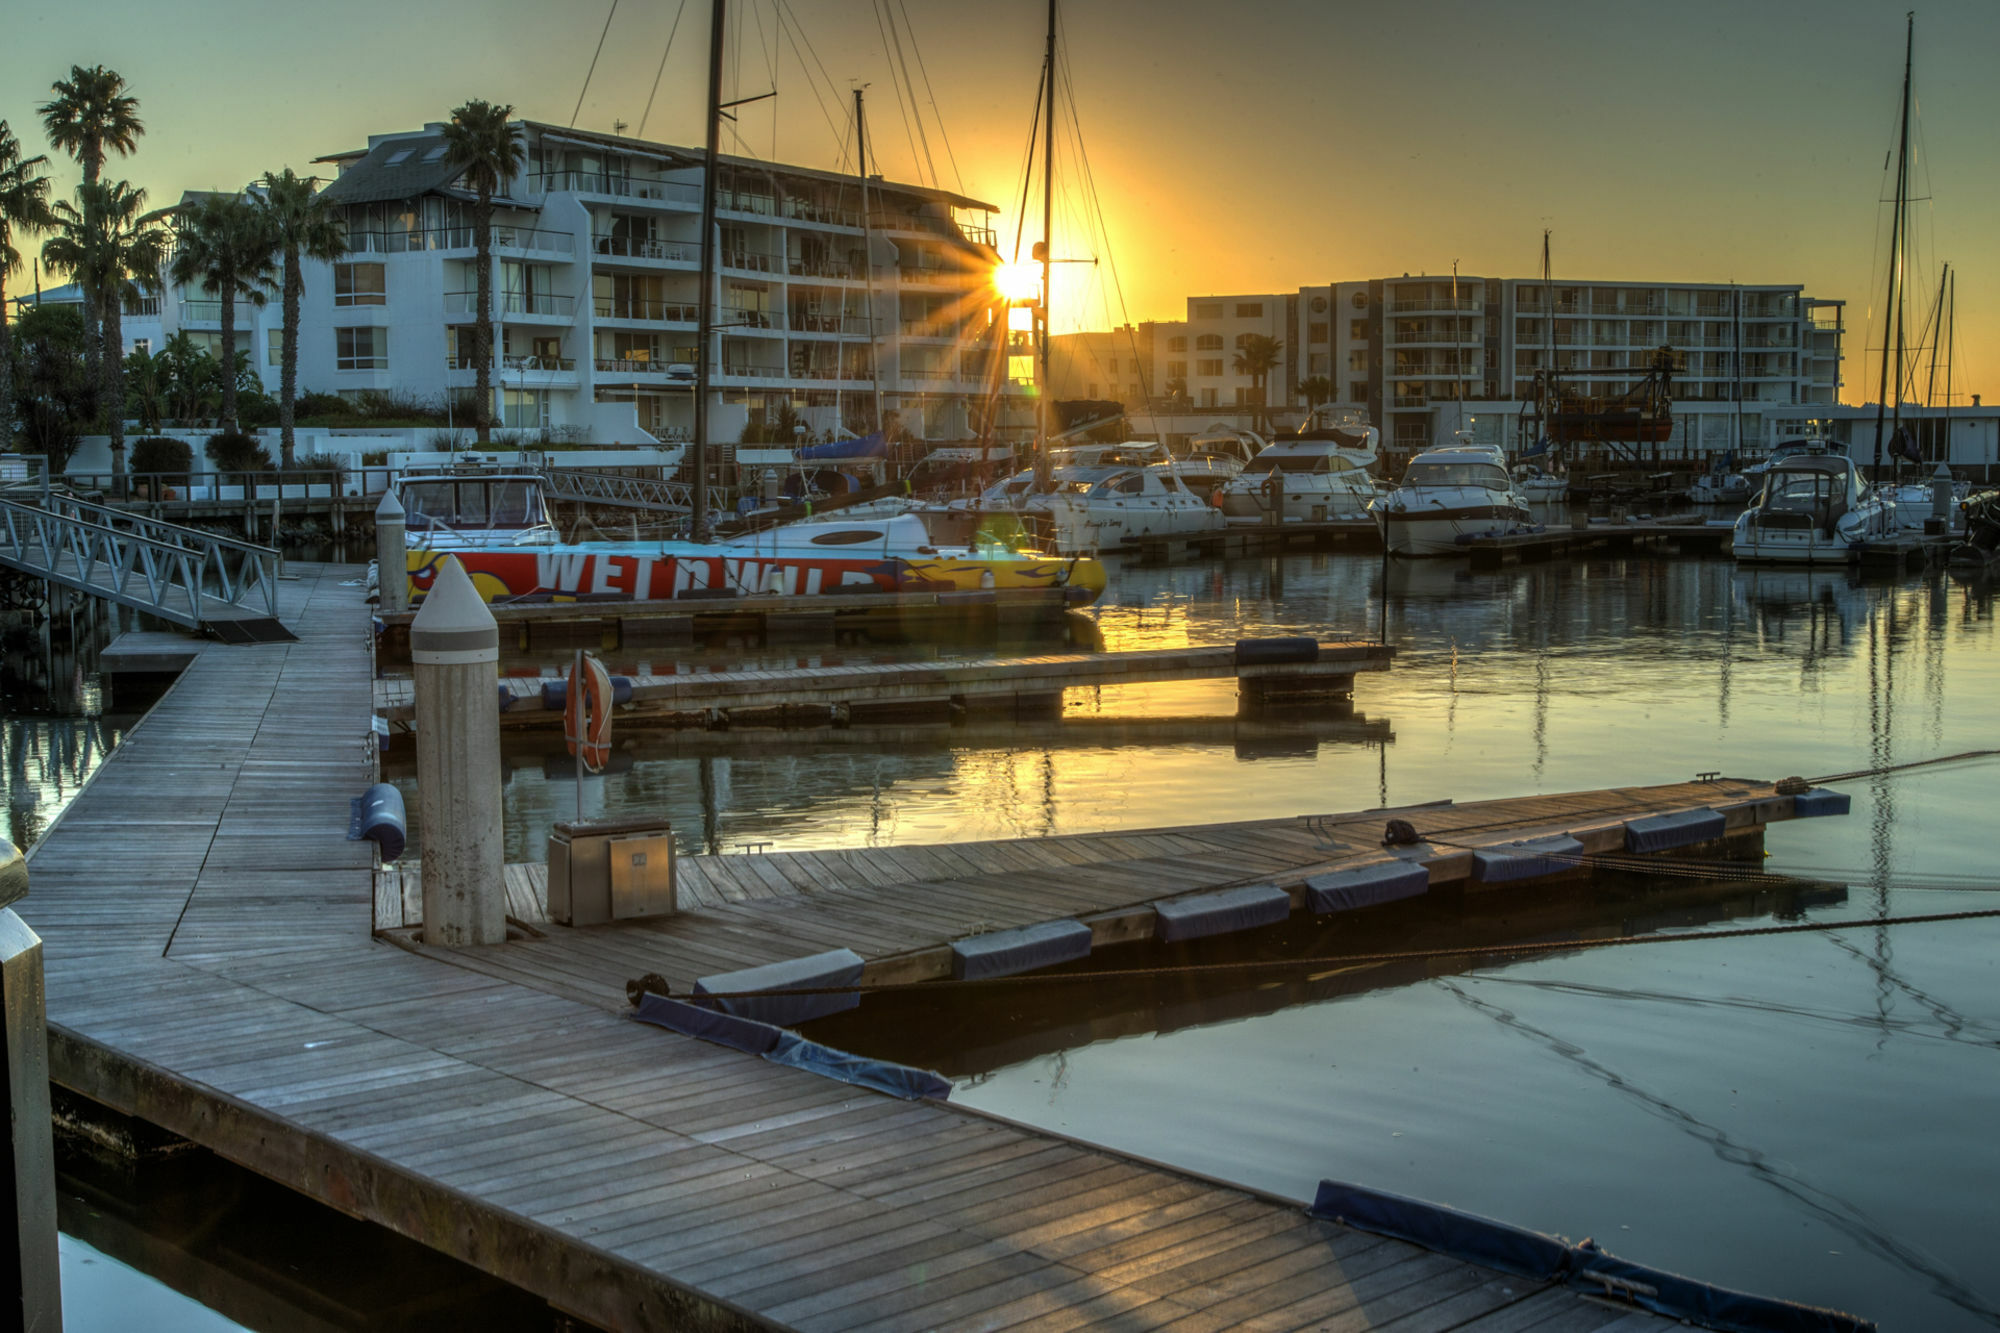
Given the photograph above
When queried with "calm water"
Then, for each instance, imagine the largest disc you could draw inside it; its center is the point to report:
(1806, 1116)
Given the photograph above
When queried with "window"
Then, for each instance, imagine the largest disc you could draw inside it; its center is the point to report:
(1358, 359)
(1242, 338)
(361, 349)
(1357, 391)
(274, 347)
(436, 152)
(1357, 330)
(1317, 330)
(359, 284)
(1319, 306)
(1208, 342)
(1177, 344)
(1111, 366)
(143, 346)
(1249, 310)
(1176, 370)
(1208, 310)
(1361, 300)
(397, 158)
(1208, 367)
(1208, 398)
(524, 407)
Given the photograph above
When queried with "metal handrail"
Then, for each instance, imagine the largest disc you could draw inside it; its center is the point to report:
(615, 488)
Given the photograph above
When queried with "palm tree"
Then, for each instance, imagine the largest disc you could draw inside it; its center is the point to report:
(488, 150)
(1316, 390)
(92, 114)
(1257, 356)
(24, 204)
(106, 243)
(224, 244)
(302, 227)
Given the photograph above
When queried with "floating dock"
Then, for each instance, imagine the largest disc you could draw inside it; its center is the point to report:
(213, 968)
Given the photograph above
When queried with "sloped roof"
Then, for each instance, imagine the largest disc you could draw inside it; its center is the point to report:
(393, 169)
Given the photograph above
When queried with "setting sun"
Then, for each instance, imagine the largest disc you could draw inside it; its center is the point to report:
(1018, 282)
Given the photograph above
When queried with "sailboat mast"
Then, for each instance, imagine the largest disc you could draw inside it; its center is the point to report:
(705, 300)
(1896, 255)
(1042, 468)
(1548, 371)
(868, 259)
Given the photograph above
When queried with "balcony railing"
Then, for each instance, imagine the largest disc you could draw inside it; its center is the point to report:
(560, 365)
(1425, 304)
(623, 187)
(743, 317)
(143, 306)
(752, 261)
(619, 365)
(1454, 338)
(535, 240)
(512, 303)
(666, 312)
(752, 370)
(807, 210)
(857, 324)
(929, 373)
(814, 372)
(631, 247)
(202, 311)
(821, 268)
(928, 328)
(759, 205)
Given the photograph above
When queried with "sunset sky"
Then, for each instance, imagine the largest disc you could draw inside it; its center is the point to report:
(1236, 148)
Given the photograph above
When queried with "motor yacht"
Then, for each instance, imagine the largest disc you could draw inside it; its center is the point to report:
(1208, 461)
(1814, 508)
(1446, 496)
(1320, 473)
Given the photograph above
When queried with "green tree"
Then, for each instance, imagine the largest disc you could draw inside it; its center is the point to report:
(55, 396)
(304, 227)
(24, 208)
(1257, 356)
(92, 114)
(223, 244)
(487, 149)
(1316, 390)
(106, 243)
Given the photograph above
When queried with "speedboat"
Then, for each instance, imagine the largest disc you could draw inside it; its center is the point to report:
(1207, 462)
(1712, 488)
(1103, 507)
(1814, 509)
(1538, 485)
(1318, 474)
(1446, 496)
(472, 506)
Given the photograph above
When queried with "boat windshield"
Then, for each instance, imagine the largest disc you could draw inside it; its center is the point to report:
(1803, 492)
(1456, 474)
(1273, 460)
(492, 502)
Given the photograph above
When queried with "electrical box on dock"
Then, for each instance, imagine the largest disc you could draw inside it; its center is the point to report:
(610, 870)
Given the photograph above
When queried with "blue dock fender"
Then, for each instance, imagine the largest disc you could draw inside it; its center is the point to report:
(377, 814)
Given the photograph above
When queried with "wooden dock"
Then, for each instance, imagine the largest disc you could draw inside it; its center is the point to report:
(1020, 685)
(1253, 539)
(211, 969)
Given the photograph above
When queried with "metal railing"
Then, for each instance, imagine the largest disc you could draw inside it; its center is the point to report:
(614, 488)
(822, 268)
(200, 311)
(1420, 304)
(665, 312)
(745, 317)
(505, 237)
(512, 303)
(182, 575)
(620, 365)
(631, 247)
(805, 210)
(805, 323)
(623, 187)
(752, 370)
(752, 261)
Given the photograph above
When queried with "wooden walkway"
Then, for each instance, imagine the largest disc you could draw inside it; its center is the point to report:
(211, 969)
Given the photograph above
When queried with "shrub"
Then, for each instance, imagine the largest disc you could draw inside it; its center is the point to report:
(321, 405)
(256, 409)
(160, 453)
(375, 458)
(237, 453)
(335, 463)
(450, 441)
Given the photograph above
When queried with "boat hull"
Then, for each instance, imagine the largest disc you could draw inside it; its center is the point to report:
(580, 574)
(1437, 532)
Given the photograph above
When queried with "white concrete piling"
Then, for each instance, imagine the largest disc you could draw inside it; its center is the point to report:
(454, 657)
(392, 577)
(27, 1153)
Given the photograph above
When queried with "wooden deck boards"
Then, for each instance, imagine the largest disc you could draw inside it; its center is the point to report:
(210, 967)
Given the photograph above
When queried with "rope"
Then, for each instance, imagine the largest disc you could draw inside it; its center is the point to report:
(593, 64)
(671, 33)
(1339, 961)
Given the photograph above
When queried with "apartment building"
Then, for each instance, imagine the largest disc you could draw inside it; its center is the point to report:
(1117, 366)
(597, 255)
(1199, 353)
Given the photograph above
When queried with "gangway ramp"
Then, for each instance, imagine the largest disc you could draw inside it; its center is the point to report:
(614, 488)
(216, 585)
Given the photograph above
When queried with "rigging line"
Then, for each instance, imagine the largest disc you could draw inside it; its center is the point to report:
(799, 27)
(671, 33)
(593, 64)
(793, 35)
(916, 163)
(1027, 171)
(770, 65)
(916, 109)
(1522, 948)
(943, 133)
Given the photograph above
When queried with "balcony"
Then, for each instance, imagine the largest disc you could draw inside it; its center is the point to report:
(807, 210)
(928, 373)
(822, 268)
(752, 261)
(755, 205)
(929, 328)
(751, 370)
(1434, 338)
(147, 307)
(858, 325)
(204, 312)
(676, 372)
(828, 374)
(618, 187)
(1440, 305)
(527, 240)
(651, 312)
(630, 247)
(517, 304)
(743, 317)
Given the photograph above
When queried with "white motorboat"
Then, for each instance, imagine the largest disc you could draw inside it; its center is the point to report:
(1915, 504)
(1318, 474)
(1208, 461)
(1538, 485)
(1091, 509)
(1713, 488)
(1814, 508)
(473, 506)
(1446, 496)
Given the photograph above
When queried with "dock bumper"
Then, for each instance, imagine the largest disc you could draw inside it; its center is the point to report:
(1683, 828)
(1365, 886)
(1527, 859)
(1004, 953)
(1821, 801)
(834, 968)
(1221, 912)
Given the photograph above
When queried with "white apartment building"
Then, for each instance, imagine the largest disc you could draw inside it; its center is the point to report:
(596, 270)
(1421, 355)
(1114, 366)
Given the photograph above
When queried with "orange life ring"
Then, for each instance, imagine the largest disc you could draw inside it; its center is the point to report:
(587, 712)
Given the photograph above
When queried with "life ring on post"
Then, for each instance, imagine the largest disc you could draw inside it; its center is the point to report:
(587, 713)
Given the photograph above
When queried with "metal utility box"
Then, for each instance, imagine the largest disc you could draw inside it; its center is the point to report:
(610, 870)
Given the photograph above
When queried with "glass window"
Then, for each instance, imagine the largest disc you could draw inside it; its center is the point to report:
(1208, 367)
(524, 408)
(1208, 310)
(1455, 474)
(1316, 331)
(1208, 342)
(361, 349)
(1177, 344)
(1176, 370)
(360, 284)
(1357, 330)
(274, 347)
(1249, 310)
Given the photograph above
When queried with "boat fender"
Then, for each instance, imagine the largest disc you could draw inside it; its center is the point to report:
(1400, 833)
(377, 815)
(1273, 652)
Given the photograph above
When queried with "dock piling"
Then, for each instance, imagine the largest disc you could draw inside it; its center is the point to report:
(29, 1265)
(455, 660)
(392, 575)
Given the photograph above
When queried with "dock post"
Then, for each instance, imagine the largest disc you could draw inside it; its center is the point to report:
(1941, 499)
(29, 1265)
(455, 658)
(392, 567)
